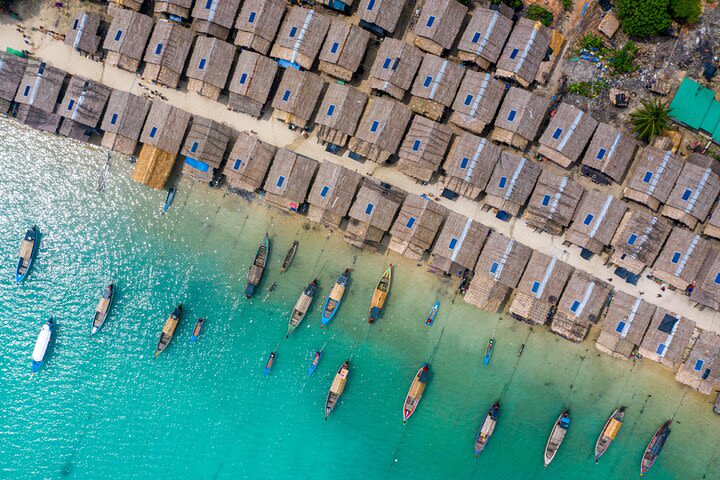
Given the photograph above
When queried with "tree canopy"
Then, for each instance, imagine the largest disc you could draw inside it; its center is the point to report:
(644, 18)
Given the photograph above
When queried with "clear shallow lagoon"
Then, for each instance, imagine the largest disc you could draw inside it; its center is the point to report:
(102, 408)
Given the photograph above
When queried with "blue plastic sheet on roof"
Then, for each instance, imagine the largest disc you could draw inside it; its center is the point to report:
(286, 64)
(668, 322)
(197, 164)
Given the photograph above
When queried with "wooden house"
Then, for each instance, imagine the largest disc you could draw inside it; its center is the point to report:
(84, 33)
(343, 50)
(580, 306)
(652, 177)
(706, 291)
(498, 271)
(626, 320)
(553, 203)
(380, 16)
(469, 165)
(609, 154)
(82, 107)
(701, 368)
(300, 37)
(214, 17)
(712, 225)
(123, 121)
(638, 241)
(167, 52)
(161, 137)
(435, 86)
(204, 148)
(12, 69)
(332, 194)
(423, 148)
(520, 117)
(372, 214)
(438, 25)
(666, 338)
(416, 226)
(127, 38)
(511, 183)
(484, 37)
(695, 191)
(257, 23)
(524, 51)
(251, 83)
(209, 66)
(477, 101)
(37, 95)
(339, 114)
(248, 162)
(381, 129)
(115, 5)
(289, 179)
(395, 67)
(458, 246)
(174, 8)
(596, 219)
(540, 288)
(296, 97)
(681, 259)
(567, 135)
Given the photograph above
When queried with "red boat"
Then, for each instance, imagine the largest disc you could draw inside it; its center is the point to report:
(655, 447)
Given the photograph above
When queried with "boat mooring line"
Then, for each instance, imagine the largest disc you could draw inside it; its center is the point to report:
(104, 174)
(686, 390)
(442, 330)
(397, 451)
(517, 363)
(572, 385)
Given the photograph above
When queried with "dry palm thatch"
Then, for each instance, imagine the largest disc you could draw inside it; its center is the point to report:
(638, 240)
(695, 191)
(84, 32)
(524, 52)
(484, 37)
(332, 193)
(300, 37)
(626, 320)
(395, 67)
(596, 219)
(339, 114)
(416, 227)
(477, 101)
(296, 97)
(257, 23)
(580, 306)
(652, 177)
(381, 129)
(289, 179)
(609, 155)
(423, 149)
(343, 50)
(519, 118)
(701, 369)
(567, 135)
(435, 86)
(180, 8)
(123, 121)
(681, 259)
(167, 52)
(215, 17)
(127, 38)
(251, 83)
(511, 183)
(469, 165)
(707, 287)
(553, 202)
(372, 214)
(204, 148)
(12, 69)
(380, 14)
(209, 66)
(248, 162)
(439, 25)
(459, 244)
(667, 338)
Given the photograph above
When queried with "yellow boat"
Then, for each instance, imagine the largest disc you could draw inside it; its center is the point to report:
(380, 294)
(169, 330)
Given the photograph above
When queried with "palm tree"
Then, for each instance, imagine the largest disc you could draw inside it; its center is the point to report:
(651, 119)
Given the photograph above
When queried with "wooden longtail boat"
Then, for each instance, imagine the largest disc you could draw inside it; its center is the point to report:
(168, 330)
(489, 351)
(41, 345)
(655, 447)
(314, 363)
(269, 364)
(557, 435)
(169, 199)
(301, 307)
(607, 435)
(381, 292)
(196, 330)
(28, 250)
(258, 267)
(336, 388)
(433, 313)
(487, 427)
(289, 257)
(417, 388)
(103, 309)
(332, 303)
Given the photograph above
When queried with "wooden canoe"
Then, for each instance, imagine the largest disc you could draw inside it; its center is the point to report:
(417, 388)
(196, 331)
(609, 431)
(655, 447)
(557, 435)
(28, 250)
(336, 388)
(302, 306)
(169, 329)
(336, 294)
(380, 294)
(103, 309)
(258, 267)
(487, 427)
(289, 257)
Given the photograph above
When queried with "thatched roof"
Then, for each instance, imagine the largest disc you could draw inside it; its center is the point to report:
(169, 45)
(290, 176)
(220, 12)
(207, 141)
(638, 240)
(210, 61)
(253, 76)
(707, 287)
(83, 33)
(298, 93)
(376, 205)
(334, 189)
(344, 46)
(567, 135)
(512, 182)
(437, 79)
(440, 22)
(84, 101)
(383, 13)
(128, 33)
(180, 8)
(477, 101)
(701, 369)
(625, 323)
(596, 219)
(125, 114)
(257, 23)
(12, 69)
(423, 148)
(553, 202)
(695, 191)
(545, 277)
(666, 338)
(503, 259)
(522, 113)
(653, 176)
(485, 34)
(384, 123)
(341, 108)
(610, 152)
(417, 224)
(165, 127)
(524, 51)
(300, 37)
(580, 306)
(248, 162)
(681, 258)
(40, 86)
(395, 66)
(469, 165)
(458, 246)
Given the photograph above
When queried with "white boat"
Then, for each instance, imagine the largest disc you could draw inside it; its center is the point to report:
(41, 345)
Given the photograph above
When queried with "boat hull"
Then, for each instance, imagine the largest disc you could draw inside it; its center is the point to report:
(607, 435)
(196, 331)
(487, 427)
(417, 389)
(332, 303)
(336, 388)
(41, 346)
(433, 313)
(28, 251)
(654, 448)
(557, 435)
(257, 269)
(103, 309)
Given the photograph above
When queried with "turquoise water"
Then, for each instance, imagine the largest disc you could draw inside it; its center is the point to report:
(102, 408)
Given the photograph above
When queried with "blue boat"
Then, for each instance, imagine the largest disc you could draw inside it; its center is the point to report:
(332, 303)
(433, 313)
(28, 250)
(196, 330)
(269, 364)
(487, 427)
(169, 199)
(41, 345)
(314, 363)
(489, 351)
(258, 267)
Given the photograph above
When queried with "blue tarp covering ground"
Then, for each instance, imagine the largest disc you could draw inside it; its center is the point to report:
(696, 107)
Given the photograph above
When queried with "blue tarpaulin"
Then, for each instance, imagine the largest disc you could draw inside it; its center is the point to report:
(197, 164)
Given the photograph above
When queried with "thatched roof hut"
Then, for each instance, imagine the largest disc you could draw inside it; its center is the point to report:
(439, 25)
(469, 165)
(339, 114)
(701, 369)
(300, 37)
(540, 288)
(115, 5)
(380, 16)
(296, 97)
(520, 117)
(416, 227)
(332, 193)
(652, 177)
(626, 320)
(553, 203)
(511, 183)
(435, 86)
(477, 101)
(215, 17)
(638, 240)
(423, 148)
(166, 53)
(681, 259)
(484, 37)
(580, 306)
(179, 8)
(37, 95)
(666, 338)
(209, 66)
(248, 162)
(204, 148)
(524, 52)
(707, 288)
(123, 121)
(609, 154)
(126, 39)
(84, 35)
(712, 225)
(12, 69)
(596, 219)
(458, 246)
(695, 191)
(497, 272)
(251, 82)
(342, 6)
(395, 67)
(343, 50)
(372, 214)
(289, 179)
(567, 135)
(82, 107)
(257, 23)
(381, 129)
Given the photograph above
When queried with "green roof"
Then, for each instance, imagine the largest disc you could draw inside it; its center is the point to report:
(696, 107)
(712, 118)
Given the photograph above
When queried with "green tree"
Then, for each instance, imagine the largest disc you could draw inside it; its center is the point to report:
(686, 11)
(651, 119)
(644, 18)
(538, 13)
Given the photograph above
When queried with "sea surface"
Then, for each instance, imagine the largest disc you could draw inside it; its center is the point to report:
(102, 408)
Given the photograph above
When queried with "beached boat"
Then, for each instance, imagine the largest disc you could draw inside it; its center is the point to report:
(169, 199)
(314, 363)
(487, 427)
(168, 330)
(41, 345)
(301, 307)
(269, 363)
(417, 388)
(433, 313)
(196, 330)
(289, 257)
(28, 250)
(336, 388)
(489, 351)
(655, 447)
(258, 267)
(103, 309)
(607, 435)
(332, 303)
(381, 292)
(556, 436)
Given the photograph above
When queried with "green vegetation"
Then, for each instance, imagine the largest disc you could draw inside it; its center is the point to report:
(651, 119)
(567, 5)
(593, 42)
(588, 89)
(644, 18)
(685, 11)
(623, 60)
(516, 4)
(540, 14)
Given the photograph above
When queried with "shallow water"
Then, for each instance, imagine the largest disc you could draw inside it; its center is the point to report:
(103, 408)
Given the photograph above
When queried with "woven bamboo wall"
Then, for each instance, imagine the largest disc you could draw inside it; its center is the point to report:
(153, 167)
